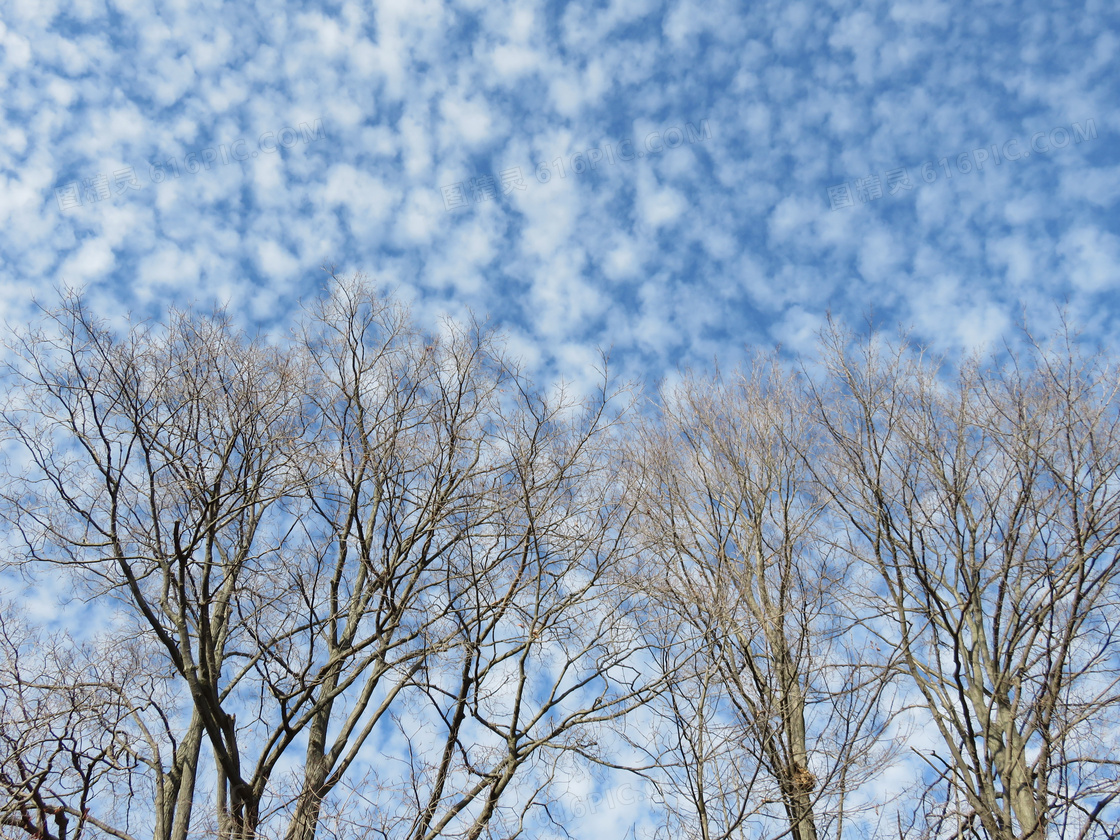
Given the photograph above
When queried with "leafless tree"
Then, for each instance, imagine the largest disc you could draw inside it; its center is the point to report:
(371, 579)
(987, 499)
(85, 728)
(774, 708)
(548, 650)
(310, 535)
(398, 478)
(54, 762)
(154, 459)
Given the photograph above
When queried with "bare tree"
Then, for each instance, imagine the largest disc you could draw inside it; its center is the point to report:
(311, 535)
(369, 579)
(548, 650)
(154, 460)
(83, 728)
(398, 477)
(771, 704)
(54, 763)
(987, 499)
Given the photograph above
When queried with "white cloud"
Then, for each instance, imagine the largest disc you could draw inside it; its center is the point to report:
(1091, 258)
(93, 259)
(659, 206)
(276, 262)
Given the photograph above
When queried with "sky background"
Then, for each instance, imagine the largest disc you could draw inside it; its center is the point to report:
(747, 210)
(724, 232)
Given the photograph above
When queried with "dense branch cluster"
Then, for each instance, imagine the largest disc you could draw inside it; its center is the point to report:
(365, 580)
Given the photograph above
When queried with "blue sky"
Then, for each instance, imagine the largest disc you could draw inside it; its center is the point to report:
(362, 136)
(367, 134)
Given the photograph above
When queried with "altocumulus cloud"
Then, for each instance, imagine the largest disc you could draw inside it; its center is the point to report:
(168, 152)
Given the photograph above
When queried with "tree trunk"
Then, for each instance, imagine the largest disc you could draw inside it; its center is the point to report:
(305, 820)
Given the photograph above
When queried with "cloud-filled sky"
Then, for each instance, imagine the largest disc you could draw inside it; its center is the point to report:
(670, 180)
(673, 180)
